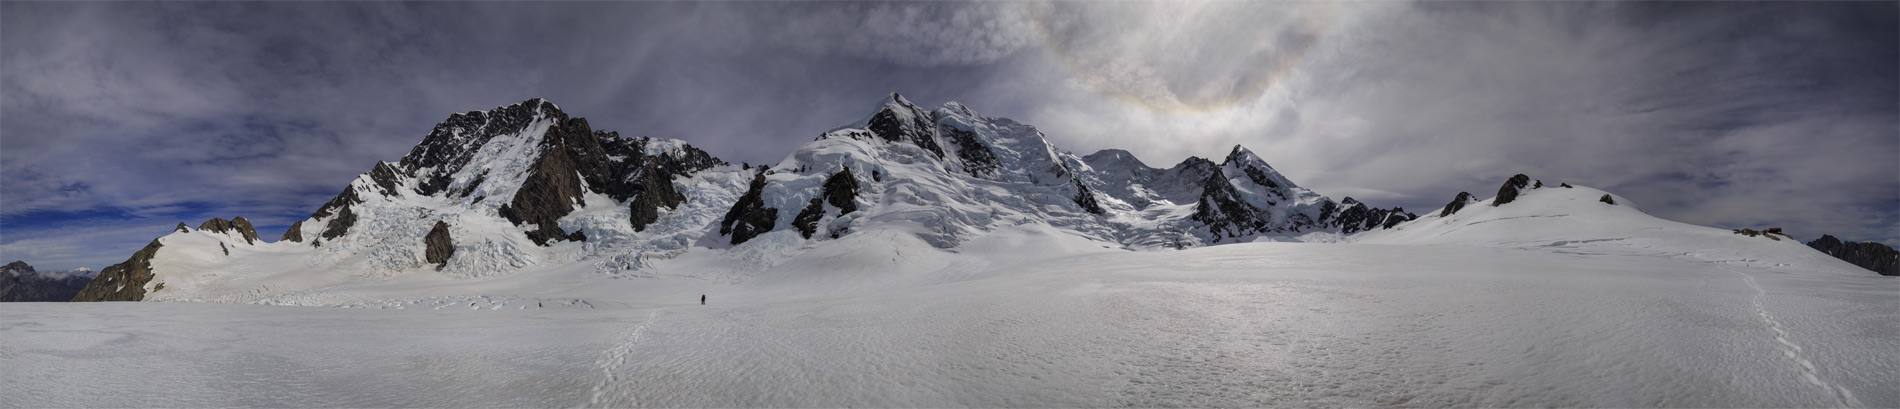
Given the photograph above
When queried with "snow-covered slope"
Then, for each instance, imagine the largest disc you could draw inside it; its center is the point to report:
(1026, 316)
(943, 258)
(525, 186)
(1576, 221)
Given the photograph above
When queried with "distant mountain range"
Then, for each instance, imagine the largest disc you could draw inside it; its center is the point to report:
(488, 193)
(19, 282)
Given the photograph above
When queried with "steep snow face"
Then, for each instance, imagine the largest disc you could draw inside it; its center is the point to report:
(908, 188)
(953, 174)
(525, 186)
(471, 172)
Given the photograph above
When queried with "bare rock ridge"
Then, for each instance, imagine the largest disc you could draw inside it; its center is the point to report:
(566, 160)
(1508, 192)
(294, 234)
(124, 281)
(1875, 257)
(338, 212)
(440, 245)
(749, 217)
(235, 225)
(840, 191)
(1458, 203)
(901, 121)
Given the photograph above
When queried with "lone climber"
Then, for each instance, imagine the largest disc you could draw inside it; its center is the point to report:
(702, 299)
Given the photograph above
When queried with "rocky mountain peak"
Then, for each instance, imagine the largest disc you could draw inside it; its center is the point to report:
(18, 266)
(237, 225)
(1875, 257)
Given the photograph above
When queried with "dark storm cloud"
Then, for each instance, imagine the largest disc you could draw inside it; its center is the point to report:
(119, 118)
(1723, 114)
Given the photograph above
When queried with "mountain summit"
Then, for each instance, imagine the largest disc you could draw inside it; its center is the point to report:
(491, 193)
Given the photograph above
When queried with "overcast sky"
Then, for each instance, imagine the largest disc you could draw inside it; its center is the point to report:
(119, 120)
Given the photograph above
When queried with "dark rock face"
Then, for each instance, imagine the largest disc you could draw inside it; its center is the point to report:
(890, 127)
(1457, 203)
(841, 190)
(20, 283)
(1566, 186)
(552, 189)
(1875, 257)
(1223, 211)
(1085, 198)
(294, 234)
(235, 225)
(341, 224)
(570, 153)
(1353, 216)
(439, 246)
(1606, 199)
(1397, 215)
(338, 206)
(749, 217)
(656, 186)
(385, 178)
(181, 228)
(124, 281)
(807, 220)
(449, 147)
(1509, 191)
(977, 157)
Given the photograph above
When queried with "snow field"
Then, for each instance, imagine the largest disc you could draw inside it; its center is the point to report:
(1257, 324)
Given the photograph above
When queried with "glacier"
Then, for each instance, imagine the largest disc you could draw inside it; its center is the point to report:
(979, 266)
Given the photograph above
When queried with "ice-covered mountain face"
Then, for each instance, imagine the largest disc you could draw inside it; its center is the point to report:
(950, 174)
(498, 187)
(943, 175)
(525, 186)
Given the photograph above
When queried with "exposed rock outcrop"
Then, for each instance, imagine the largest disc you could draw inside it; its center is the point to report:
(1085, 198)
(749, 217)
(977, 158)
(236, 225)
(439, 245)
(385, 177)
(1222, 209)
(656, 191)
(124, 281)
(182, 228)
(841, 191)
(294, 234)
(1354, 216)
(1607, 199)
(1875, 257)
(901, 121)
(339, 207)
(807, 220)
(1458, 203)
(553, 187)
(1509, 191)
